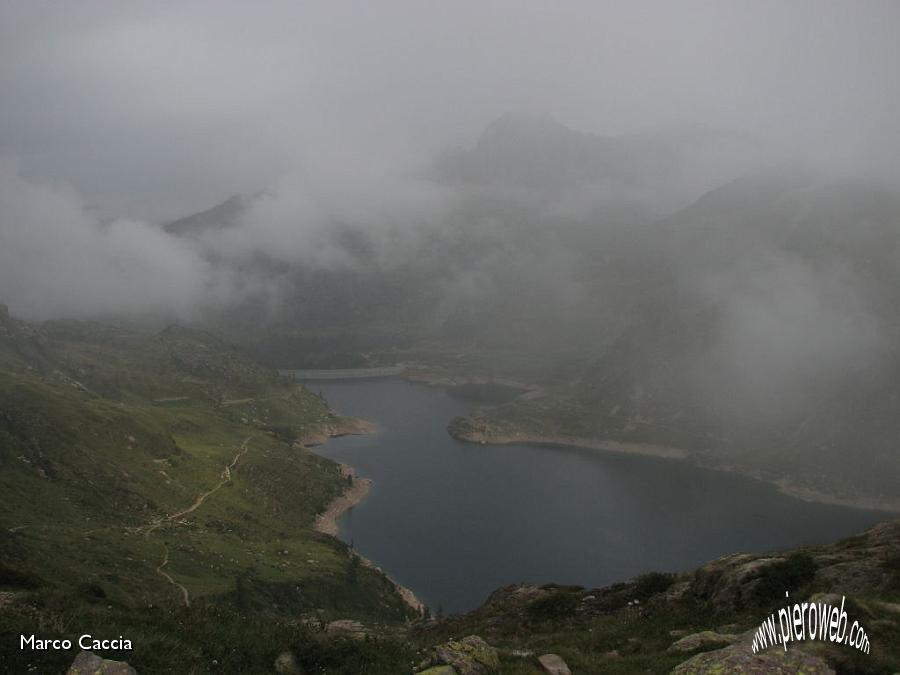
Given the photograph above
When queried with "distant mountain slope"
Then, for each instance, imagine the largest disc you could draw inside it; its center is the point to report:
(541, 153)
(217, 217)
(756, 326)
(766, 339)
(535, 206)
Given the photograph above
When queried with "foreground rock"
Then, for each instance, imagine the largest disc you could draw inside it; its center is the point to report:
(469, 656)
(286, 664)
(554, 665)
(738, 658)
(88, 663)
(704, 640)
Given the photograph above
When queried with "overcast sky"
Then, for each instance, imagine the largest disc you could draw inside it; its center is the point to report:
(153, 110)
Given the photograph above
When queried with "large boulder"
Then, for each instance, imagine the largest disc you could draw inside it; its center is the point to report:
(553, 664)
(706, 639)
(469, 656)
(88, 663)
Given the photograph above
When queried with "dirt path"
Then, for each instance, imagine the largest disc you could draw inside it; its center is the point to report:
(147, 530)
(159, 570)
(198, 502)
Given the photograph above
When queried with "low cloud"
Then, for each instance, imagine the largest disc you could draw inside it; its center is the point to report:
(57, 259)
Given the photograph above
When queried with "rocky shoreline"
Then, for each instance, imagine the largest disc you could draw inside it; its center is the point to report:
(358, 488)
(475, 431)
(342, 426)
(326, 522)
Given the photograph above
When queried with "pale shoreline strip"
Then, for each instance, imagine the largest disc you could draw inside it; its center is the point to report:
(784, 485)
(326, 523)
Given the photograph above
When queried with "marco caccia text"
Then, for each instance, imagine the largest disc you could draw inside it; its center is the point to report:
(85, 642)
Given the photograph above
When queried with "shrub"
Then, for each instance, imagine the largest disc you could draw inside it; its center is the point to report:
(556, 606)
(790, 574)
(647, 585)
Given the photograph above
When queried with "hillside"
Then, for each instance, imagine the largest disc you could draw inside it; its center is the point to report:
(538, 224)
(764, 341)
(154, 485)
(170, 504)
(753, 329)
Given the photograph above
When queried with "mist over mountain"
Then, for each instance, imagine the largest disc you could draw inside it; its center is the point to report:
(652, 250)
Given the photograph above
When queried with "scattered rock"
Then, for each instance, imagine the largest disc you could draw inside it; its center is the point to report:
(347, 627)
(706, 639)
(88, 663)
(469, 656)
(739, 658)
(7, 598)
(286, 664)
(827, 598)
(554, 665)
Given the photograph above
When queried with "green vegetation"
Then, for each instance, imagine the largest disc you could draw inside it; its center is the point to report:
(150, 490)
(795, 572)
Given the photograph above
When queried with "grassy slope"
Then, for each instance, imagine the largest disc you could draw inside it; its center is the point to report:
(88, 461)
(84, 474)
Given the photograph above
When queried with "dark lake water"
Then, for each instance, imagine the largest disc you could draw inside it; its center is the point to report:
(454, 521)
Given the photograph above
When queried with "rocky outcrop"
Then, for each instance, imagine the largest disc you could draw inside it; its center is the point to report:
(708, 615)
(553, 664)
(88, 663)
(706, 639)
(739, 658)
(469, 656)
(859, 565)
(340, 426)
